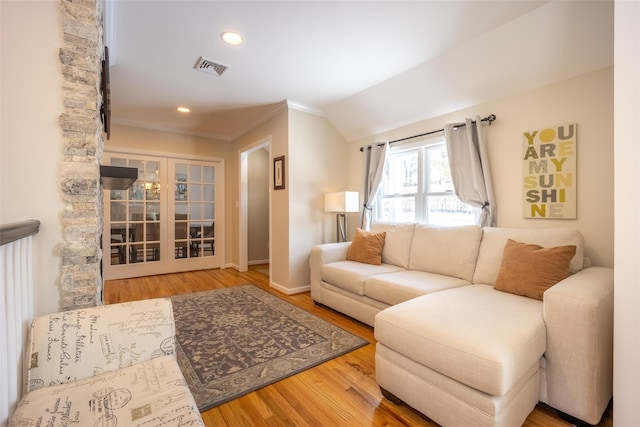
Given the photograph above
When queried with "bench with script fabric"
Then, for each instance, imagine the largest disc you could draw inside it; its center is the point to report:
(109, 365)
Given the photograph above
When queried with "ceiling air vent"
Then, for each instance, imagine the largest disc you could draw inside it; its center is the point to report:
(210, 67)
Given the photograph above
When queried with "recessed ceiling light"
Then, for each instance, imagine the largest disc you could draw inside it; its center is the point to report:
(229, 37)
(183, 109)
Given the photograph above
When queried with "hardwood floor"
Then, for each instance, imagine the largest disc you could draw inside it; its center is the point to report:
(339, 392)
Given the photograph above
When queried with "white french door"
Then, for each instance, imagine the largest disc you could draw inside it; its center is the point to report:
(193, 210)
(169, 220)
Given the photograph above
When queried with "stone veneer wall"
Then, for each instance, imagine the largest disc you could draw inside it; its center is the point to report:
(81, 55)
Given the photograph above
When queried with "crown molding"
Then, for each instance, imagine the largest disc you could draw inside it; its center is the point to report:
(305, 108)
(282, 106)
(170, 129)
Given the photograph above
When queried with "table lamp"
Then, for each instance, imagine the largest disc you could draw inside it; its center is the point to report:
(341, 203)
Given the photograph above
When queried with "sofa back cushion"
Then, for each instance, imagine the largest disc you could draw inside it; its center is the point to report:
(397, 244)
(494, 240)
(451, 251)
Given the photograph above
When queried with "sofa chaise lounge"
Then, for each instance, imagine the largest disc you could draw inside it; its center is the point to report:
(455, 348)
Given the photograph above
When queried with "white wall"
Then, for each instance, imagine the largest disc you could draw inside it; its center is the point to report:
(31, 139)
(258, 206)
(586, 100)
(318, 165)
(626, 383)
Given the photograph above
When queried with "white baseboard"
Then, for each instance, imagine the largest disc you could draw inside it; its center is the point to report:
(289, 291)
(263, 261)
(278, 287)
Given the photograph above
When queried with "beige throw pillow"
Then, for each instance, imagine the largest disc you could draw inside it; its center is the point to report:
(366, 247)
(529, 269)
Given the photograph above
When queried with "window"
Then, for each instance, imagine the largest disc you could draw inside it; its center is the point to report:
(417, 187)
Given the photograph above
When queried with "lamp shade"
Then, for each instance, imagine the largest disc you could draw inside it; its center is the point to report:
(342, 201)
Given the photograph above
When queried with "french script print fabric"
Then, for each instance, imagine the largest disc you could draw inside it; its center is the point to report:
(112, 365)
(73, 345)
(151, 393)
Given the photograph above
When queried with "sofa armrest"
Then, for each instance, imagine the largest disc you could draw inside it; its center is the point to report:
(324, 254)
(578, 313)
(72, 345)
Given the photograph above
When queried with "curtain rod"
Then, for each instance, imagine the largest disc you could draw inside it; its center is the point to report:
(490, 118)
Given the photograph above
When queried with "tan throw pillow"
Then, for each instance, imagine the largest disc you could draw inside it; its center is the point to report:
(366, 247)
(529, 269)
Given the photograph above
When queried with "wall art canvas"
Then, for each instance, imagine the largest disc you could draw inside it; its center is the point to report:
(278, 173)
(549, 168)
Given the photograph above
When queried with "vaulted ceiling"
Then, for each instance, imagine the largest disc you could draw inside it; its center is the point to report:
(368, 66)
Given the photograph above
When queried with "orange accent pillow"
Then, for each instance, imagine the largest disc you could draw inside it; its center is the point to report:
(366, 247)
(529, 269)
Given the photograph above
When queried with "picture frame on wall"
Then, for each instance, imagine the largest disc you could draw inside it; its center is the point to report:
(278, 173)
(549, 172)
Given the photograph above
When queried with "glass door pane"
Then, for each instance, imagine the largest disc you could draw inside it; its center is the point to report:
(194, 210)
(134, 229)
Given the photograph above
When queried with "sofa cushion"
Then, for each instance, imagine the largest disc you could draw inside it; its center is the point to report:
(529, 270)
(476, 335)
(350, 275)
(450, 402)
(145, 394)
(451, 251)
(397, 244)
(495, 238)
(366, 247)
(394, 288)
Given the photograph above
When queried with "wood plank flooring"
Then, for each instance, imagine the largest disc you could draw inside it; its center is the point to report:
(340, 392)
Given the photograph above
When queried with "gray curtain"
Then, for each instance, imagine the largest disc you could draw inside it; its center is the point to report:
(470, 172)
(375, 160)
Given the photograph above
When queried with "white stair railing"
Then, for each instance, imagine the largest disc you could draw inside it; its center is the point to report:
(16, 309)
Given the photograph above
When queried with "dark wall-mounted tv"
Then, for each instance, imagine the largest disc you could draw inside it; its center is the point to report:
(105, 87)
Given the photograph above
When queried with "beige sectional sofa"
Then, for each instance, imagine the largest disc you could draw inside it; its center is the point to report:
(462, 352)
(112, 365)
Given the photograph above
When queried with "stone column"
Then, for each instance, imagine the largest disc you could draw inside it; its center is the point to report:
(81, 58)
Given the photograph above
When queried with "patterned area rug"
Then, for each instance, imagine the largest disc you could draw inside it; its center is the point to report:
(233, 341)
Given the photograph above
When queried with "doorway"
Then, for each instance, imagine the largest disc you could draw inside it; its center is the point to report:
(255, 206)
